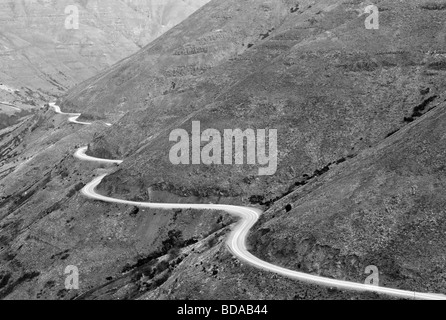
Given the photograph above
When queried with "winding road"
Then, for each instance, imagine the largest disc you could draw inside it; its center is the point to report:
(73, 117)
(238, 237)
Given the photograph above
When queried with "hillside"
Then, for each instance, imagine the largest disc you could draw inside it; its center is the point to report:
(360, 117)
(40, 58)
(331, 90)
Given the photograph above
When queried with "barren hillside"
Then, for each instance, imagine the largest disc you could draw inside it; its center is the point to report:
(360, 115)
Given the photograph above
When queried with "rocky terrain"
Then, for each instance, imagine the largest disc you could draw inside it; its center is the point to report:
(40, 57)
(371, 87)
(360, 117)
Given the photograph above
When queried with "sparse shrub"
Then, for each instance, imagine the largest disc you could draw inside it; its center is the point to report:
(64, 173)
(161, 266)
(133, 212)
(162, 279)
(212, 242)
(173, 253)
(175, 239)
(294, 9)
(438, 65)
(433, 6)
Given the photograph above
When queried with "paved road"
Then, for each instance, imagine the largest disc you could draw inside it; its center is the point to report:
(80, 154)
(237, 239)
(72, 116)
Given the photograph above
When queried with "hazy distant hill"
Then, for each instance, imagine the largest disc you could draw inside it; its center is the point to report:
(40, 57)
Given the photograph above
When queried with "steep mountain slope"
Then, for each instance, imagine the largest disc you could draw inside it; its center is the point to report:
(170, 67)
(46, 225)
(331, 87)
(360, 118)
(122, 252)
(331, 90)
(39, 56)
(384, 208)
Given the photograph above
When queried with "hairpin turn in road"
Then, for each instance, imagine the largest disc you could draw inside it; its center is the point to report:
(237, 239)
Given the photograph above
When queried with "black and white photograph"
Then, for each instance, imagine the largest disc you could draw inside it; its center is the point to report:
(222, 158)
